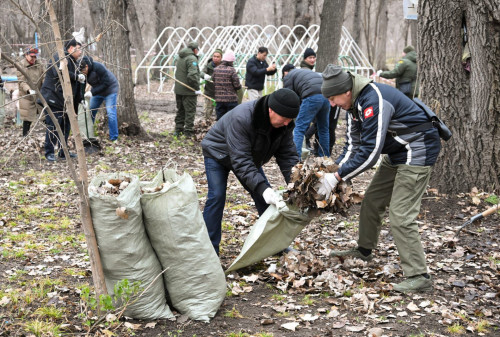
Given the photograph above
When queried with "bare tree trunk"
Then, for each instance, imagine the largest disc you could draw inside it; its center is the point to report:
(64, 11)
(136, 35)
(468, 102)
(302, 16)
(381, 42)
(332, 17)
(115, 49)
(356, 23)
(413, 33)
(368, 29)
(239, 8)
(406, 27)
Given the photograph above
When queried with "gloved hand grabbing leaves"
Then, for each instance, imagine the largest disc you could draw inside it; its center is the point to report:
(270, 196)
(81, 78)
(327, 184)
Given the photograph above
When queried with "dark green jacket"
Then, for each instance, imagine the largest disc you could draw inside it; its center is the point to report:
(405, 71)
(305, 65)
(187, 72)
(209, 85)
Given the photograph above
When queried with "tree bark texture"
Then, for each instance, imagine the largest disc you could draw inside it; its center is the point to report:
(65, 14)
(114, 47)
(239, 8)
(332, 17)
(469, 103)
(136, 35)
(356, 22)
(381, 38)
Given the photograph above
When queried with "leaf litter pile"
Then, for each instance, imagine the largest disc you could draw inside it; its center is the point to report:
(112, 186)
(302, 190)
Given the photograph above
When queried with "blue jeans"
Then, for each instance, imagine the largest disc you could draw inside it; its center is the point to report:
(110, 101)
(311, 107)
(216, 199)
(51, 135)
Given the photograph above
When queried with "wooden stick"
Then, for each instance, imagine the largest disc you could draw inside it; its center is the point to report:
(187, 86)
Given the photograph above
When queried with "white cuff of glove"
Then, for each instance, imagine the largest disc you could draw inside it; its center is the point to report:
(198, 92)
(32, 92)
(207, 77)
(270, 196)
(88, 94)
(81, 78)
(327, 184)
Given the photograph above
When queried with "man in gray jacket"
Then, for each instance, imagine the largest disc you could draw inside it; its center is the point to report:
(242, 141)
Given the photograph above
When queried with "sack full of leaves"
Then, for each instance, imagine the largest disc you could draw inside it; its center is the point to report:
(303, 187)
(273, 232)
(194, 278)
(125, 250)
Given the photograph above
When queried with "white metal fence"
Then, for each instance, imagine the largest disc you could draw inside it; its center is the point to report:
(286, 45)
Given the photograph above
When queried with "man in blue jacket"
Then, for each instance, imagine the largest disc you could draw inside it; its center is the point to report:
(52, 92)
(381, 119)
(257, 69)
(104, 89)
(242, 141)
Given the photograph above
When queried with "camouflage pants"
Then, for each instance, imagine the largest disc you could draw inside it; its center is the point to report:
(186, 111)
(209, 108)
(399, 187)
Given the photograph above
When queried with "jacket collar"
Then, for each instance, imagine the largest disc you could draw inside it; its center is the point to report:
(260, 117)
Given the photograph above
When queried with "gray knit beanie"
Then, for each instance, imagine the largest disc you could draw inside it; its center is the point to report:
(335, 81)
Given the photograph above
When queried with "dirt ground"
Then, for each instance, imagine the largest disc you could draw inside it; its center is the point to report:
(44, 262)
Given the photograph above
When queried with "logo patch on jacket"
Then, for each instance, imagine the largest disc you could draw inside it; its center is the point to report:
(368, 112)
(195, 64)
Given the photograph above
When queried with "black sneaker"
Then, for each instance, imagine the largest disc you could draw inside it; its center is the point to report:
(71, 155)
(50, 157)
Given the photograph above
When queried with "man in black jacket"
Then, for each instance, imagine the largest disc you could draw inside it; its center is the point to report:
(242, 141)
(257, 69)
(104, 89)
(53, 93)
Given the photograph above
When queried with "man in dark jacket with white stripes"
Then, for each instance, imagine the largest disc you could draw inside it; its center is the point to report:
(381, 119)
(242, 141)
(307, 84)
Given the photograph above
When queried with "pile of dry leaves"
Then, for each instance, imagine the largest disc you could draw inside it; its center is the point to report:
(112, 186)
(302, 189)
(201, 128)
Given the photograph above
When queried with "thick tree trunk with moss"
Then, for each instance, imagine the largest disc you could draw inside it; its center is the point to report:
(330, 32)
(468, 102)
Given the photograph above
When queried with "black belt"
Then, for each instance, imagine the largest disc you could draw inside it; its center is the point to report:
(418, 128)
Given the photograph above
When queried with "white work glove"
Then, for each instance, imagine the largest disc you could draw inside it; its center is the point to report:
(32, 92)
(271, 197)
(327, 184)
(379, 72)
(207, 77)
(85, 104)
(88, 94)
(198, 92)
(81, 78)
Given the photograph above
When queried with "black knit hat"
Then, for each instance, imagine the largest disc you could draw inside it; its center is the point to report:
(287, 68)
(309, 52)
(335, 81)
(285, 103)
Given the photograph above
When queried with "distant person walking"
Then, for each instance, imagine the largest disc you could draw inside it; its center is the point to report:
(227, 84)
(28, 108)
(188, 73)
(257, 69)
(405, 73)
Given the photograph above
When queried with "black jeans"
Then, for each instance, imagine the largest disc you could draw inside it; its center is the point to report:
(51, 136)
(221, 108)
